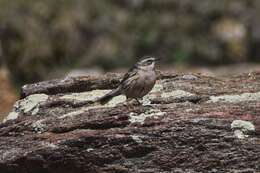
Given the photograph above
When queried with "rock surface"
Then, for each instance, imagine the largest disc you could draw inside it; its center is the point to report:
(184, 125)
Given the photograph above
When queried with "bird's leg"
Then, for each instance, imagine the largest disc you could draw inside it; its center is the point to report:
(139, 103)
(128, 103)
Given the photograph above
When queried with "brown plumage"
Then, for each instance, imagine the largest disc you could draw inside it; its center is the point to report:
(136, 83)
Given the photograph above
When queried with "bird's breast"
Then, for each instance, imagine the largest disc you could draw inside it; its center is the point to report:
(148, 77)
(141, 85)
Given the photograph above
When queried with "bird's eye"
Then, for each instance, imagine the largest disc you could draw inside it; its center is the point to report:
(149, 62)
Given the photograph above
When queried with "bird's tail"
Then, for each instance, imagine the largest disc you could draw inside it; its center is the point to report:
(106, 98)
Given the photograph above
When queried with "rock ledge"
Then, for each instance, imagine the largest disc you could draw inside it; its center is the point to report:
(184, 125)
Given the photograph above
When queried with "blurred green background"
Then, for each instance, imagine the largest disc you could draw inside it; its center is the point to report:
(49, 38)
(41, 38)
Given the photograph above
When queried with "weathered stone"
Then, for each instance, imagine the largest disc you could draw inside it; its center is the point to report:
(186, 124)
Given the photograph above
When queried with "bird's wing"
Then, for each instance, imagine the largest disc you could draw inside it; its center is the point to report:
(131, 72)
(128, 79)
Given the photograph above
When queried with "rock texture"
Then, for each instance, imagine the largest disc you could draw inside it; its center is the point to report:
(188, 123)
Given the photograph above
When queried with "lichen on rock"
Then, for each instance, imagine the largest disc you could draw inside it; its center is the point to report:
(236, 98)
(28, 104)
(242, 128)
(150, 113)
(85, 96)
(38, 126)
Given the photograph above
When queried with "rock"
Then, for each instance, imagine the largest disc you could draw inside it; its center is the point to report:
(185, 124)
(245, 126)
(28, 105)
(242, 128)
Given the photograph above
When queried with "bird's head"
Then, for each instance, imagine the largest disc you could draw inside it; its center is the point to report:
(147, 62)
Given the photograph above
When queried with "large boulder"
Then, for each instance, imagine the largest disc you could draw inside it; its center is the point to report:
(187, 123)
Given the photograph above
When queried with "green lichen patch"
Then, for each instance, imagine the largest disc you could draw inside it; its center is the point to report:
(140, 118)
(242, 128)
(85, 96)
(115, 101)
(91, 96)
(112, 103)
(177, 94)
(236, 98)
(31, 102)
(28, 104)
(94, 94)
(245, 126)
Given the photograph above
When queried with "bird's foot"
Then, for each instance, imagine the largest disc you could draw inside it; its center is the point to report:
(132, 102)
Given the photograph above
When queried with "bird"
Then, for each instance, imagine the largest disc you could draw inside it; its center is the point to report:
(136, 83)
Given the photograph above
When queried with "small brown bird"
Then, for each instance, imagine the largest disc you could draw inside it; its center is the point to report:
(137, 82)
